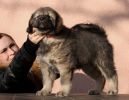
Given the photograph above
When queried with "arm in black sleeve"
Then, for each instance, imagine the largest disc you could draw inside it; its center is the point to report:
(20, 65)
(24, 59)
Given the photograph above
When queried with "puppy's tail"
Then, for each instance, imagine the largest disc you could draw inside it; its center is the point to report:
(92, 28)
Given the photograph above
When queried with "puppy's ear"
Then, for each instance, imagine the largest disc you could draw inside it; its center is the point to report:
(58, 23)
(29, 29)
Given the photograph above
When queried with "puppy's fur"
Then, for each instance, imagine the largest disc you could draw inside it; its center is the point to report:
(63, 50)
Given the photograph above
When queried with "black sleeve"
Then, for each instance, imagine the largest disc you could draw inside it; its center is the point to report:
(20, 65)
(23, 61)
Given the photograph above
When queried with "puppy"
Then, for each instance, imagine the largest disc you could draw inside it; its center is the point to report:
(84, 46)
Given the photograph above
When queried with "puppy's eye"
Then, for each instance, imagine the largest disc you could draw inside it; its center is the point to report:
(45, 17)
(41, 18)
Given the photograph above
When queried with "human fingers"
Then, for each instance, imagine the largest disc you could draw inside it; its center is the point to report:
(35, 38)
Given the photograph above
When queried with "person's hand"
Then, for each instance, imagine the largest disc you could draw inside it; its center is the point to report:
(35, 38)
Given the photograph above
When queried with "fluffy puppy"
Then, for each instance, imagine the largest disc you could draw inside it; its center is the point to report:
(84, 46)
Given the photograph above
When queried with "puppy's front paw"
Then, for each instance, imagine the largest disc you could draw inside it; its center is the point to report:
(111, 92)
(94, 92)
(61, 94)
(42, 93)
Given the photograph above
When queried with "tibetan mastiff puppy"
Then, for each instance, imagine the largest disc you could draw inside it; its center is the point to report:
(84, 46)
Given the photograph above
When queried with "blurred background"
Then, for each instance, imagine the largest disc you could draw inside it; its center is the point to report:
(113, 15)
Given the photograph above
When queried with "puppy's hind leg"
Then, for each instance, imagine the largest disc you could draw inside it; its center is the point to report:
(110, 74)
(95, 73)
(105, 63)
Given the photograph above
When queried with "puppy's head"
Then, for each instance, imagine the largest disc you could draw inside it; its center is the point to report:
(45, 21)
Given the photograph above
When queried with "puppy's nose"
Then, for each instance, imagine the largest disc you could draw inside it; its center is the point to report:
(41, 26)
